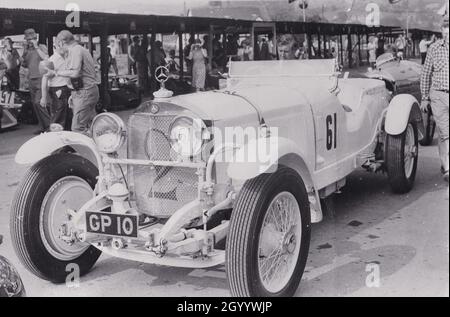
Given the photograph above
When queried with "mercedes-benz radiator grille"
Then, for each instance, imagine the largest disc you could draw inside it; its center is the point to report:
(163, 190)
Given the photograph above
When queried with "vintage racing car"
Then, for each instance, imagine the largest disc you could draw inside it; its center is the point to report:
(249, 164)
(403, 77)
(15, 106)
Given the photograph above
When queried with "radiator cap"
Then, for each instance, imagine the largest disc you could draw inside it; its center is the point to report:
(162, 75)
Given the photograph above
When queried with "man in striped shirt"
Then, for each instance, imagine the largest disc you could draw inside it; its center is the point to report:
(435, 90)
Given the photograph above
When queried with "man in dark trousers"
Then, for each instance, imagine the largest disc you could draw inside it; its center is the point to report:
(435, 90)
(33, 54)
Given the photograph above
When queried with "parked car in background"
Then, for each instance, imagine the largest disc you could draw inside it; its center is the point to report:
(249, 163)
(11, 284)
(403, 77)
(123, 93)
(15, 106)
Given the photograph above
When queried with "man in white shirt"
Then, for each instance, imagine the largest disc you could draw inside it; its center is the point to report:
(423, 48)
(56, 93)
(400, 43)
(113, 49)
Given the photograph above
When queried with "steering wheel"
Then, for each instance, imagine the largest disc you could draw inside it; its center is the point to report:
(385, 58)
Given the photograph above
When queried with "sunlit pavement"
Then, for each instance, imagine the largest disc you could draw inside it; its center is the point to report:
(403, 238)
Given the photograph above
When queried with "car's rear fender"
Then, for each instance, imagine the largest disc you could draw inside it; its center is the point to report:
(283, 152)
(47, 144)
(400, 110)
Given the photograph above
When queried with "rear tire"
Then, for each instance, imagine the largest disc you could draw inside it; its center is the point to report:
(252, 241)
(33, 234)
(402, 152)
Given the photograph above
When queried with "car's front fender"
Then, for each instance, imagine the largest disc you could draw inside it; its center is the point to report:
(260, 156)
(46, 144)
(271, 152)
(401, 109)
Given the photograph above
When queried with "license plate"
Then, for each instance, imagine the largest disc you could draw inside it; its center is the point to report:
(7, 98)
(112, 224)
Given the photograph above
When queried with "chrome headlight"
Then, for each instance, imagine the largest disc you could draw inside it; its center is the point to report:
(186, 136)
(108, 132)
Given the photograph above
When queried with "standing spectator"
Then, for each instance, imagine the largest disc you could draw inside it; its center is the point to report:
(56, 93)
(372, 47)
(33, 54)
(218, 58)
(187, 52)
(138, 56)
(132, 49)
(232, 46)
(247, 51)
(400, 43)
(262, 51)
(198, 56)
(283, 51)
(271, 47)
(80, 69)
(435, 90)
(172, 65)
(157, 56)
(423, 47)
(380, 47)
(113, 53)
(160, 55)
(11, 58)
(109, 59)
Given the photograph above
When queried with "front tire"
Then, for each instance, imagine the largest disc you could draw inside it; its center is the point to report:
(402, 152)
(268, 243)
(54, 184)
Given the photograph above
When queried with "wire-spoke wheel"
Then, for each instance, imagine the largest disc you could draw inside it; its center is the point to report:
(279, 242)
(268, 243)
(402, 153)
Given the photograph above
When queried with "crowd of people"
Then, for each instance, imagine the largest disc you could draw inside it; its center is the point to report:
(401, 47)
(63, 87)
(196, 53)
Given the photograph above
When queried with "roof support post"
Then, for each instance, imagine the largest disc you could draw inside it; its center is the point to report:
(90, 44)
(145, 49)
(153, 82)
(181, 53)
(319, 44)
(50, 43)
(359, 49)
(210, 45)
(43, 31)
(309, 41)
(104, 94)
(367, 42)
(349, 48)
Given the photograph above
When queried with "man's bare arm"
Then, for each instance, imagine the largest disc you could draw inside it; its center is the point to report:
(42, 51)
(44, 88)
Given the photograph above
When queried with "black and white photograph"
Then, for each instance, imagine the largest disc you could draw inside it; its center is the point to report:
(224, 149)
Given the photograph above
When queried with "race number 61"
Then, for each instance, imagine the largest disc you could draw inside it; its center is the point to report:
(331, 123)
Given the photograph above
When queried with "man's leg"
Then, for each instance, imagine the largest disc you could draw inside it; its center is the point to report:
(59, 105)
(41, 113)
(439, 105)
(84, 102)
